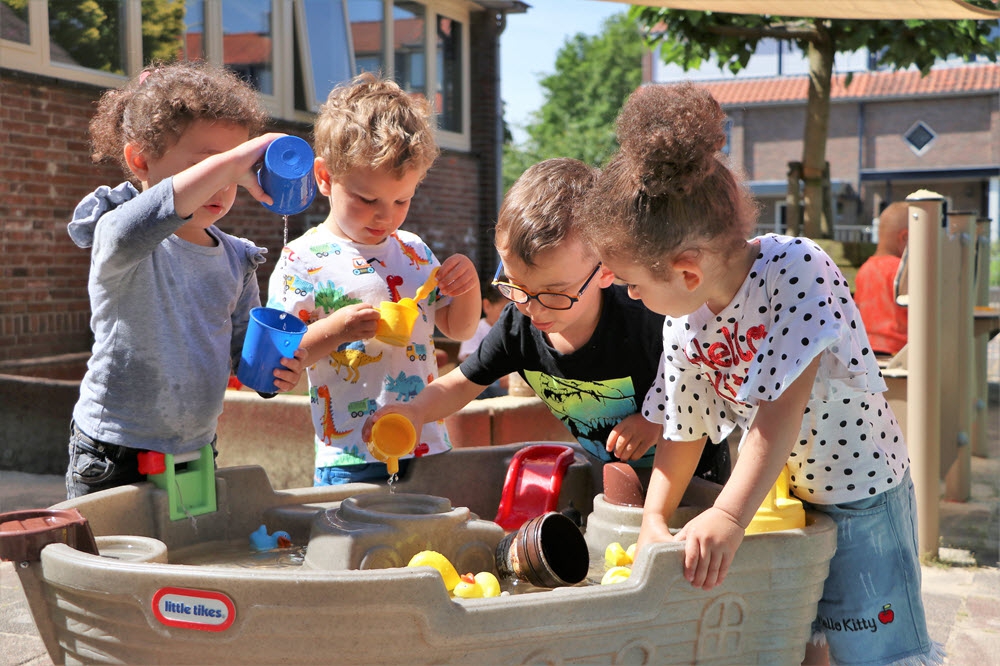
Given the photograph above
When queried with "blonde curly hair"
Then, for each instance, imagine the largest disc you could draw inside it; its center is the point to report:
(373, 123)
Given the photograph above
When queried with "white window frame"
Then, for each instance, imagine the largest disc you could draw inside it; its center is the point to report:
(34, 57)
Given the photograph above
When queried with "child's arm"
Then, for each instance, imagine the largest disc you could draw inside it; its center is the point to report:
(349, 323)
(196, 185)
(673, 466)
(633, 436)
(442, 397)
(714, 536)
(457, 278)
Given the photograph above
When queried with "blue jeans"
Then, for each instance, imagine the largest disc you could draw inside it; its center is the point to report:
(374, 472)
(95, 465)
(871, 611)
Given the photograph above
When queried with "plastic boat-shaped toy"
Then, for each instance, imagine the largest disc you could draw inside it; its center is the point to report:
(352, 600)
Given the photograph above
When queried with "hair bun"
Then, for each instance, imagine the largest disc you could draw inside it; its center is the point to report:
(670, 135)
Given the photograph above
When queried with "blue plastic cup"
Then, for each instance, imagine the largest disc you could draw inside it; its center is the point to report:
(271, 335)
(287, 175)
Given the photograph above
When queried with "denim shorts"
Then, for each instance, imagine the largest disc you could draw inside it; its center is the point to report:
(871, 611)
(374, 472)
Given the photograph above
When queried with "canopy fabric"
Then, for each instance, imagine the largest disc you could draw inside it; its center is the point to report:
(835, 9)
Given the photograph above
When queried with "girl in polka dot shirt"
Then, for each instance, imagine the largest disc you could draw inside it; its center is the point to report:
(760, 334)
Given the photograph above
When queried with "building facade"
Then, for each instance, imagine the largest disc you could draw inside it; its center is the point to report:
(890, 133)
(57, 58)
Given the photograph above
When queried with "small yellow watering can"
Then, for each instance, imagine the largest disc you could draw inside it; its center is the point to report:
(396, 325)
(393, 436)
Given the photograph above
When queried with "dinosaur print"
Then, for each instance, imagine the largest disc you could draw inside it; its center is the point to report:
(392, 282)
(410, 252)
(352, 356)
(404, 386)
(330, 431)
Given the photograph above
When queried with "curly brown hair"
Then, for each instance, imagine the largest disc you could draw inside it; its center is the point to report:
(667, 189)
(539, 211)
(371, 122)
(154, 109)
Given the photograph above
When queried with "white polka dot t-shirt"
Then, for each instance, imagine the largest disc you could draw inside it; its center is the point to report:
(794, 305)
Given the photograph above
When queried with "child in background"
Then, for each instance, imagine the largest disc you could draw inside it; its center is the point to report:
(170, 292)
(374, 144)
(587, 349)
(885, 320)
(493, 305)
(761, 334)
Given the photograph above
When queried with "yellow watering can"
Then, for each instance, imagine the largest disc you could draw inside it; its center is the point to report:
(396, 325)
(393, 436)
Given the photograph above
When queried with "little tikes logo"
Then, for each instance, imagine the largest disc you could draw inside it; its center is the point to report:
(202, 610)
(725, 358)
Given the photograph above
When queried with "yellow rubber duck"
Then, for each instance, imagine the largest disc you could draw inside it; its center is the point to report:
(434, 559)
(616, 575)
(616, 556)
(483, 584)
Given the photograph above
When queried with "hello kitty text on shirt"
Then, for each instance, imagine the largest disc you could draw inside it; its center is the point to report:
(736, 352)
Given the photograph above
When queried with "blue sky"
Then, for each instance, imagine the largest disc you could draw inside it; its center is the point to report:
(529, 44)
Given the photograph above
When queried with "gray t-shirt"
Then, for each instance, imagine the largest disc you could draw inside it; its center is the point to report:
(168, 318)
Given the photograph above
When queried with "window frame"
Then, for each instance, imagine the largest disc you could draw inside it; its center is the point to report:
(34, 57)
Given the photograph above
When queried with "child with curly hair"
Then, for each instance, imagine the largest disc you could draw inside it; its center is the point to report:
(760, 334)
(170, 292)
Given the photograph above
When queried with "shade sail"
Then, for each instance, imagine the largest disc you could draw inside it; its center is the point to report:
(835, 9)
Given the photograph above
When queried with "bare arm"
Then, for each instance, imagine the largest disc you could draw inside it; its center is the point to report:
(457, 278)
(714, 536)
(353, 322)
(673, 466)
(196, 185)
(442, 397)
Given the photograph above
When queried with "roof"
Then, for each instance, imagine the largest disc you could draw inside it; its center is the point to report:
(841, 9)
(984, 78)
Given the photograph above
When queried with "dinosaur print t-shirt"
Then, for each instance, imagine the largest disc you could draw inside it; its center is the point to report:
(793, 306)
(591, 389)
(318, 273)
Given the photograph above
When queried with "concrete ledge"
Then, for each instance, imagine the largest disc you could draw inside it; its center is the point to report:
(277, 434)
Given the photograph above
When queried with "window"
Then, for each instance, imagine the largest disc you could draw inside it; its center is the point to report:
(919, 137)
(292, 51)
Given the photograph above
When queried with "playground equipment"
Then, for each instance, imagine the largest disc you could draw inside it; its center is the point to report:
(136, 602)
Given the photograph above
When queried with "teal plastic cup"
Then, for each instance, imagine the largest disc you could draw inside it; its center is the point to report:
(271, 335)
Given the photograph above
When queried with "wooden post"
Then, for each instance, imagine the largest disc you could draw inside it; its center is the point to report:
(923, 408)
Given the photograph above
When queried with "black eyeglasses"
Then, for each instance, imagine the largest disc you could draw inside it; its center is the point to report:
(552, 300)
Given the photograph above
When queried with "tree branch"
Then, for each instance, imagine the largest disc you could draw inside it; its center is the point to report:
(802, 32)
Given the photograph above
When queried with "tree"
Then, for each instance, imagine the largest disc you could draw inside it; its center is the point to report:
(688, 38)
(593, 77)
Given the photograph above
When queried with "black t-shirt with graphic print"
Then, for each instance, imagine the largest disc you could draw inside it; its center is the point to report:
(591, 389)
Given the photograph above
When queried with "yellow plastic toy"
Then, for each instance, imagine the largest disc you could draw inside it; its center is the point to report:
(434, 559)
(393, 436)
(616, 575)
(616, 556)
(483, 584)
(397, 318)
(779, 511)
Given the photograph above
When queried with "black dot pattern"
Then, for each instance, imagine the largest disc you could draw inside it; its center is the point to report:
(794, 305)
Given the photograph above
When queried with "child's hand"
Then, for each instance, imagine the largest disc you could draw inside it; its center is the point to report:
(286, 379)
(632, 437)
(356, 322)
(246, 157)
(712, 540)
(457, 275)
(415, 416)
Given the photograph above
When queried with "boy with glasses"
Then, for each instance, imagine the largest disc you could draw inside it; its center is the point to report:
(589, 351)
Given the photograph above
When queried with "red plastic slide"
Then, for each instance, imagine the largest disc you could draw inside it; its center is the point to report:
(534, 479)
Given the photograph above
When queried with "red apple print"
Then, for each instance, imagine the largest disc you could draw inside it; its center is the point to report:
(886, 615)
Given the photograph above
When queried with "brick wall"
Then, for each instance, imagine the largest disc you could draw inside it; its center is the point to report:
(45, 170)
